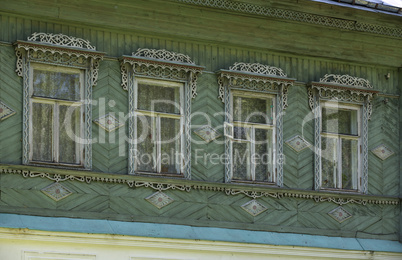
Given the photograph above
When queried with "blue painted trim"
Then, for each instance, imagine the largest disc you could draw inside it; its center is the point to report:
(189, 232)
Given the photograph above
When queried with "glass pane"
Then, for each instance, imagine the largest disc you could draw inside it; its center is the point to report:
(252, 110)
(263, 155)
(69, 119)
(242, 133)
(329, 162)
(58, 85)
(170, 145)
(339, 121)
(349, 163)
(145, 155)
(42, 132)
(158, 98)
(241, 161)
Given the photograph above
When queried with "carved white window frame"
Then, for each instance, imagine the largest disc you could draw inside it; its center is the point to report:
(348, 91)
(165, 66)
(61, 51)
(257, 78)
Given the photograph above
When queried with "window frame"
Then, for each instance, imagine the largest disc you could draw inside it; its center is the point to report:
(55, 102)
(255, 79)
(59, 52)
(349, 92)
(252, 127)
(158, 115)
(160, 65)
(339, 137)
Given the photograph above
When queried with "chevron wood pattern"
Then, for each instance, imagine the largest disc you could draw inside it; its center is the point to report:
(298, 120)
(11, 94)
(207, 109)
(110, 150)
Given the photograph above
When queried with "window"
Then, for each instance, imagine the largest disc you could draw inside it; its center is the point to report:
(56, 118)
(253, 138)
(160, 87)
(159, 127)
(255, 97)
(58, 73)
(340, 142)
(342, 108)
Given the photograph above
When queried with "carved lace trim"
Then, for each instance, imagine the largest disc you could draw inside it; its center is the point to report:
(258, 69)
(61, 40)
(346, 80)
(163, 55)
(188, 188)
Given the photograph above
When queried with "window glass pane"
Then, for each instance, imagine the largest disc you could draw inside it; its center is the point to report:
(263, 155)
(60, 85)
(329, 161)
(69, 120)
(252, 110)
(170, 145)
(158, 98)
(349, 163)
(241, 133)
(241, 161)
(42, 132)
(339, 121)
(145, 155)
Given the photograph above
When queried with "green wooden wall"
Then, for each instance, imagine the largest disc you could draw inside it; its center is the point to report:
(214, 51)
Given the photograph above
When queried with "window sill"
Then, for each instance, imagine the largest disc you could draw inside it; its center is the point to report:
(160, 175)
(59, 166)
(255, 183)
(341, 191)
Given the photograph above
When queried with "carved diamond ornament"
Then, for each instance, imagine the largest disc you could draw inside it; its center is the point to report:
(108, 122)
(159, 199)
(382, 152)
(340, 214)
(254, 208)
(56, 191)
(207, 133)
(298, 143)
(5, 111)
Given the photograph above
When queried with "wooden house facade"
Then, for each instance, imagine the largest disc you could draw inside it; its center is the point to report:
(278, 135)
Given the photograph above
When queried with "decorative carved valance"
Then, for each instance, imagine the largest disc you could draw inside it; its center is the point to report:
(161, 64)
(59, 49)
(343, 88)
(254, 77)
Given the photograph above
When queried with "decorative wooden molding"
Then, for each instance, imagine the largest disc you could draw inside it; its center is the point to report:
(297, 16)
(251, 192)
(161, 64)
(61, 40)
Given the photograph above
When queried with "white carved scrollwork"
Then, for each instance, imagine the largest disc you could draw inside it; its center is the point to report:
(162, 64)
(61, 40)
(346, 80)
(258, 69)
(189, 187)
(163, 55)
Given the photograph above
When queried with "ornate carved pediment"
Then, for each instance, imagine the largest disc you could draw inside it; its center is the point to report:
(342, 88)
(254, 77)
(161, 64)
(58, 49)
